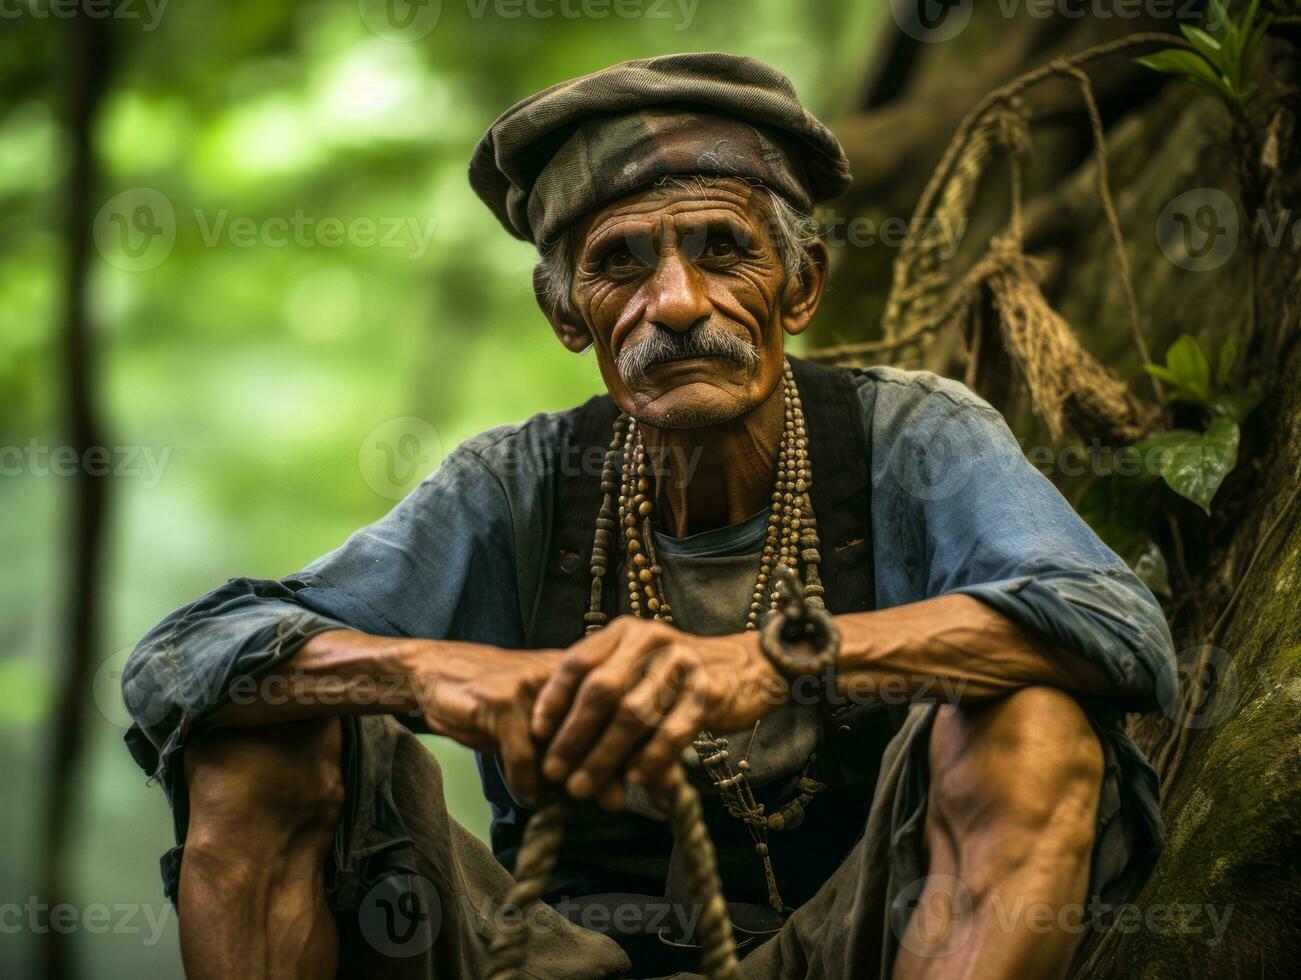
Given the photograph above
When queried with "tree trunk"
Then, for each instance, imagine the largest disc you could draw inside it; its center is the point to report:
(1229, 764)
(88, 59)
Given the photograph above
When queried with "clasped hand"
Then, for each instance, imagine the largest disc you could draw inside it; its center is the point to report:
(622, 703)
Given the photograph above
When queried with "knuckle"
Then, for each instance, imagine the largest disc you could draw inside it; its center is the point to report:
(600, 689)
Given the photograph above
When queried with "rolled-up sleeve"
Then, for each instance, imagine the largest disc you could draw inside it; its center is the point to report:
(439, 565)
(957, 508)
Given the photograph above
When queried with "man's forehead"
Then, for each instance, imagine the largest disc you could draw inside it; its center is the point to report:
(732, 201)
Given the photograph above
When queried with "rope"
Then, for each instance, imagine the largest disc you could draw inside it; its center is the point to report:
(537, 856)
(798, 636)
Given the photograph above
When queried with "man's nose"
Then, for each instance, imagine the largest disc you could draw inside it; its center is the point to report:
(678, 294)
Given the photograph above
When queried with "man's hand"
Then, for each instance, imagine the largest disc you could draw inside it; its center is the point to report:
(482, 697)
(629, 698)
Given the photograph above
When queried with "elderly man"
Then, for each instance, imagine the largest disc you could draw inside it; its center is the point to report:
(578, 599)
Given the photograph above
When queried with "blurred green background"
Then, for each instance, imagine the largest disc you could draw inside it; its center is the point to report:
(289, 271)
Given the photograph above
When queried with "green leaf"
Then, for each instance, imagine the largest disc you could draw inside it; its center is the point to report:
(1228, 358)
(1187, 361)
(1178, 392)
(1236, 405)
(1203, 42)
(1194, 464)
(1177, 61)
(1162, 372)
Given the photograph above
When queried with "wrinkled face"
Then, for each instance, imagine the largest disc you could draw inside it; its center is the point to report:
(685, 297)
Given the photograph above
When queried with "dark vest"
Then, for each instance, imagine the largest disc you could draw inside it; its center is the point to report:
(625, 853)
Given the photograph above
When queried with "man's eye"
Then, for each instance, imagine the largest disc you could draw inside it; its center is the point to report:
(618, 259)
(720, 248)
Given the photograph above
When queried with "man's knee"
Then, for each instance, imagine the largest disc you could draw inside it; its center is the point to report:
(1027, 768)
(254, 791)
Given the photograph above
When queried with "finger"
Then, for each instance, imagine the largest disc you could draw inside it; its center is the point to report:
(650, 764)
(520, 759)
(583, 722)
(612, 797)
(639, 713)
(557, 694)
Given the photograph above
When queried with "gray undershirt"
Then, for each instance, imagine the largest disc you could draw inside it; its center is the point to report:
(708, 579)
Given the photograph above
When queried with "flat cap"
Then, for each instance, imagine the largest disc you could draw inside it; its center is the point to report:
(560, 154)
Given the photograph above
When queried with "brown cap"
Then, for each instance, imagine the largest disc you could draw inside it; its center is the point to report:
(575, 146)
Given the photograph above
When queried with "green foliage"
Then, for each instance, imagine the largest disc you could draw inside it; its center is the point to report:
(1122, 505)
(1194, 464)
(1223, 58)
(257, 365)
(1119, 508)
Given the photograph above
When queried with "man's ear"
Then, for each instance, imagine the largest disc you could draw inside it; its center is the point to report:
(802, 294)
(573, 332)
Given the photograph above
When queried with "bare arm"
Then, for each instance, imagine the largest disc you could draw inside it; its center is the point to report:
(478, 695)
(633, 695)
(951, 647)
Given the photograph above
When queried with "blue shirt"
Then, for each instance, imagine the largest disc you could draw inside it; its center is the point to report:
(956, 508)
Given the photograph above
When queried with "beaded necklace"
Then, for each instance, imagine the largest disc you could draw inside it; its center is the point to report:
(791, 541)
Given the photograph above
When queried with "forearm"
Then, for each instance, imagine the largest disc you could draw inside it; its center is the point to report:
(339, 672)
(948, 648)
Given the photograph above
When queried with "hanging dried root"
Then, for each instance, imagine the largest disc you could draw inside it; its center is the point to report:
(1066, 384)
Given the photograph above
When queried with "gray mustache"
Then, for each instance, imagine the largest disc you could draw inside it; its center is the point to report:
(664, 346)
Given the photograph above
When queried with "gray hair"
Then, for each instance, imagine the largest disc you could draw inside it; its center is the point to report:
(790, 229)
